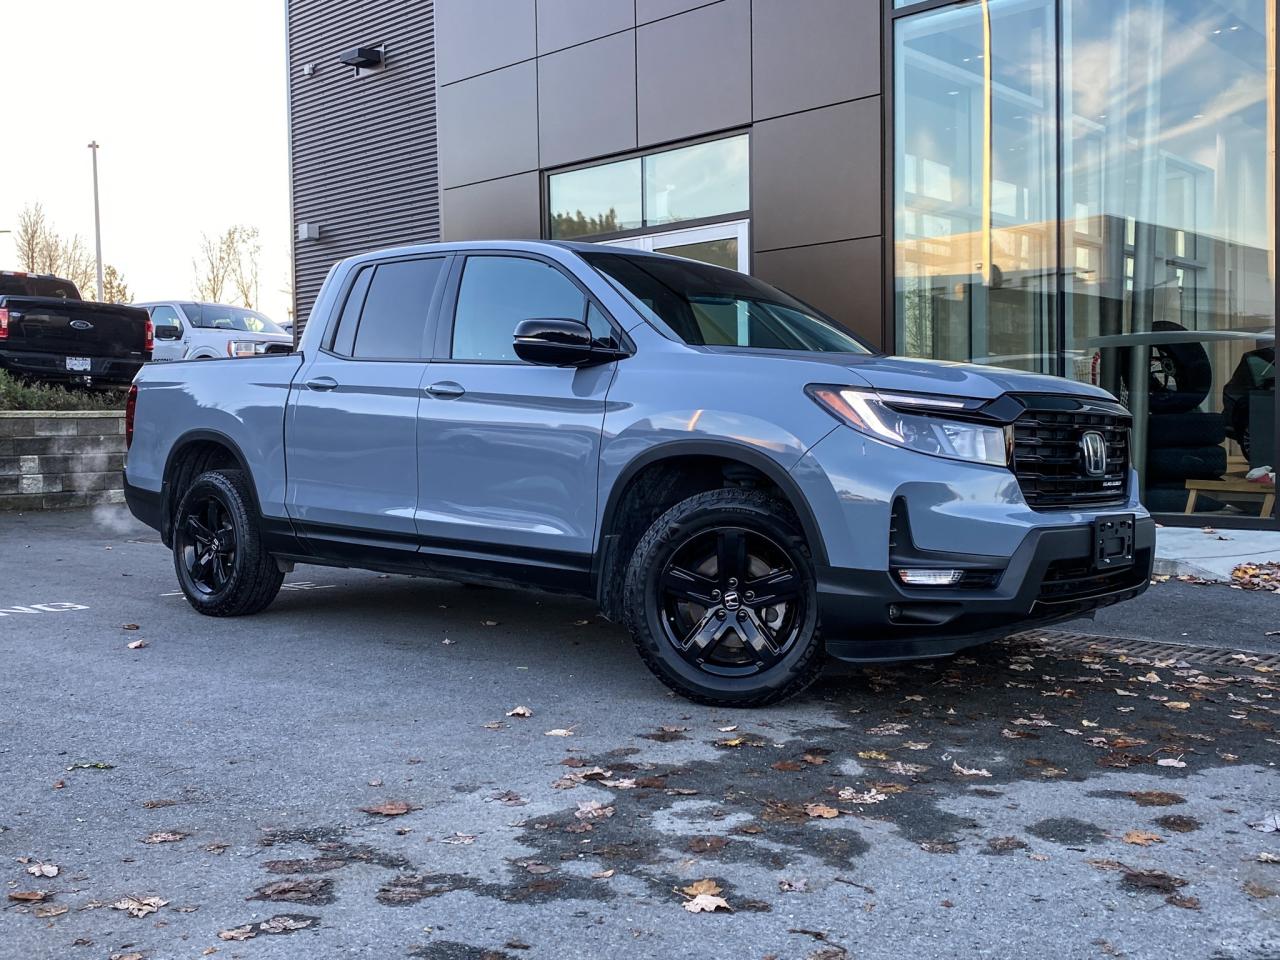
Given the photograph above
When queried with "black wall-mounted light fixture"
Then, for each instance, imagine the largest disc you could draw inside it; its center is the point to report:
(365, 60)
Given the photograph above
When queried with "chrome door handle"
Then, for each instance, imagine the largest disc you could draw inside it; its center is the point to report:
(321, 383)
(446, 389)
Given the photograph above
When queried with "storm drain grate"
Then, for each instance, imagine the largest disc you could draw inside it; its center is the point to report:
(1148, 649)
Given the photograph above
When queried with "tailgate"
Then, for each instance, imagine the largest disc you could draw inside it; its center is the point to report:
(75, 327)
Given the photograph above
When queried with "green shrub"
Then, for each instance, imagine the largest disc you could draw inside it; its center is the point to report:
(18, 394)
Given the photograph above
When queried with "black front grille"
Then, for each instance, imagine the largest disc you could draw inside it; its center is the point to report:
(1048, 459)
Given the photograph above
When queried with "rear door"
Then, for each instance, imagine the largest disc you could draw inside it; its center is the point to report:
(508, 451)
(351, 432)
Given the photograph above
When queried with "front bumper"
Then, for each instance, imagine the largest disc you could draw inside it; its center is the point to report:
(867, 615)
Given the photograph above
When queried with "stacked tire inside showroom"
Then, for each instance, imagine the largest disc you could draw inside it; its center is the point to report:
(1183, 442)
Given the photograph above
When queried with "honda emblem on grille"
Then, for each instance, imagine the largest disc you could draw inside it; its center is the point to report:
(1093, 450)
(81, 324)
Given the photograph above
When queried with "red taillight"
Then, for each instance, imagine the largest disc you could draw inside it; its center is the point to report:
(150, 342)
(4, 324)
(130, 405)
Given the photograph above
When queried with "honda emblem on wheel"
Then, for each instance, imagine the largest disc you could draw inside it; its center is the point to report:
(1093, 449)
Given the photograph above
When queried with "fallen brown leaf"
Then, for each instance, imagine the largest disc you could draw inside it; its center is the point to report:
(164, 836)
(391, 808)
(705, 903)
(29, 896)
(138, 906)
(1155, 798)
(699, 887)
(821, 811)
(247, 932)
(1141, 838)
(521, 711)
(43, 869)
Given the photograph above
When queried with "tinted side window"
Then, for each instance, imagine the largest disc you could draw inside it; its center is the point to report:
(499, 292)
(344, 337)
(394, 319)
(165, 317)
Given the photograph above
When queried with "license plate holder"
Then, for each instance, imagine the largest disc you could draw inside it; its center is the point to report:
(1113, 541)
(79, 364)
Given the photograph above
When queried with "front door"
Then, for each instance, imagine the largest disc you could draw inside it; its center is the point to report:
(508, 451)
(352, 424)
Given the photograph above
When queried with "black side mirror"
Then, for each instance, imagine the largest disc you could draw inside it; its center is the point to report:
(168, 331)
(556, 342)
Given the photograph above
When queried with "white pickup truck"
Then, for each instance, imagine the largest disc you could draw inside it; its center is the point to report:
(186, 330)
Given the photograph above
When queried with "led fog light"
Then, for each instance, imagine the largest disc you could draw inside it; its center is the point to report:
(930, 578)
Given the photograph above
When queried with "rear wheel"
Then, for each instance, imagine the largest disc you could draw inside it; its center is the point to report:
(217, 549)
(720, 598)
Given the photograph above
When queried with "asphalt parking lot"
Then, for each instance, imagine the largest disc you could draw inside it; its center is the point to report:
(339, 777)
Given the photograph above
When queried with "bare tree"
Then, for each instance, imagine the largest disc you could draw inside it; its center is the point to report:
(114, 288)
(41, 249)
(227, 266)
(31, 236)
(246, 250)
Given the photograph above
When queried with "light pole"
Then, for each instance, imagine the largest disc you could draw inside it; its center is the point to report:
(97, 222)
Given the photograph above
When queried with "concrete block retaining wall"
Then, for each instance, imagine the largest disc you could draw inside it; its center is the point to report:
(60, 458)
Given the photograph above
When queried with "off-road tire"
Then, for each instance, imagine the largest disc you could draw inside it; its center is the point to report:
(255, 577)
(642, 609)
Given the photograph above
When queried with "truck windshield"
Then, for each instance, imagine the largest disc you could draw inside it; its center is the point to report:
(16, 285)
(710, 306)
(216, 316)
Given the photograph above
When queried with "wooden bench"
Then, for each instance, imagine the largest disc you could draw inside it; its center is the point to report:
(1239, 487)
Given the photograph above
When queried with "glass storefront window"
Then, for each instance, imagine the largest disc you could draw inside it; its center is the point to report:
(595, 200)
(1156, 277)
(697, 182)
(1169, 117)
(975, 175)
(704, 180)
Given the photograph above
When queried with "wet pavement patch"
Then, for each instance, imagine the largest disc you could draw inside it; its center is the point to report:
(1067, 831)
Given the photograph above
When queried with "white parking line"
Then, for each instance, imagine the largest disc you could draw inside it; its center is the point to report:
(41, 608)
(295, 585)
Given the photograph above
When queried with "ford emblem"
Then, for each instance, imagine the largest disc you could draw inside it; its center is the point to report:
(81, 325)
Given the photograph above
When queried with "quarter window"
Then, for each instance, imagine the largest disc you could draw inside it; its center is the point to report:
(393, 318)
(497, 293)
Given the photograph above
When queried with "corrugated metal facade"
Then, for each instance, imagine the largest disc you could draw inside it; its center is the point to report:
(362, 149)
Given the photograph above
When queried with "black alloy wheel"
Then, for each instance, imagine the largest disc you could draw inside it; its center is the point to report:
(222, 564)
(721, 599)
(731, 601)
(208, 542)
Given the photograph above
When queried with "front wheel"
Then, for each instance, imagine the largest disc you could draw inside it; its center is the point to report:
(721, 600)
(217, 549)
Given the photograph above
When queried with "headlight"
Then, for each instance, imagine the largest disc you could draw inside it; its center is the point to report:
(877, 415)
(242, 348)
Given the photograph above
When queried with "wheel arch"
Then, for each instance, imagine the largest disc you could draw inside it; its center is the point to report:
(206, 449)
(611, 552)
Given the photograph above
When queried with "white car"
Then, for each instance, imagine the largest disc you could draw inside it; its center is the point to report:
(185, 330)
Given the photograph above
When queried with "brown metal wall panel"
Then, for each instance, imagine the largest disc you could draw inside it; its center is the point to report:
(694, 72)
(647, 10)
(563, 23)
(362, 150)
(509, 208)
(842, 279)
(587, 100)
(482, 35)
(816, 176)
(492, 121)
(812, 53)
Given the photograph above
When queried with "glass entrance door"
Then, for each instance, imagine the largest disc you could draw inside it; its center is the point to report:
(721, 244)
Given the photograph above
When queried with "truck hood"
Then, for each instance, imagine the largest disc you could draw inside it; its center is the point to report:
(960, 379)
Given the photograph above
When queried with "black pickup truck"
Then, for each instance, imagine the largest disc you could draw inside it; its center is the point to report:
(47, 332)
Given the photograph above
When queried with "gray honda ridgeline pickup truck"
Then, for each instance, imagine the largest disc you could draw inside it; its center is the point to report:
(728, 472)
